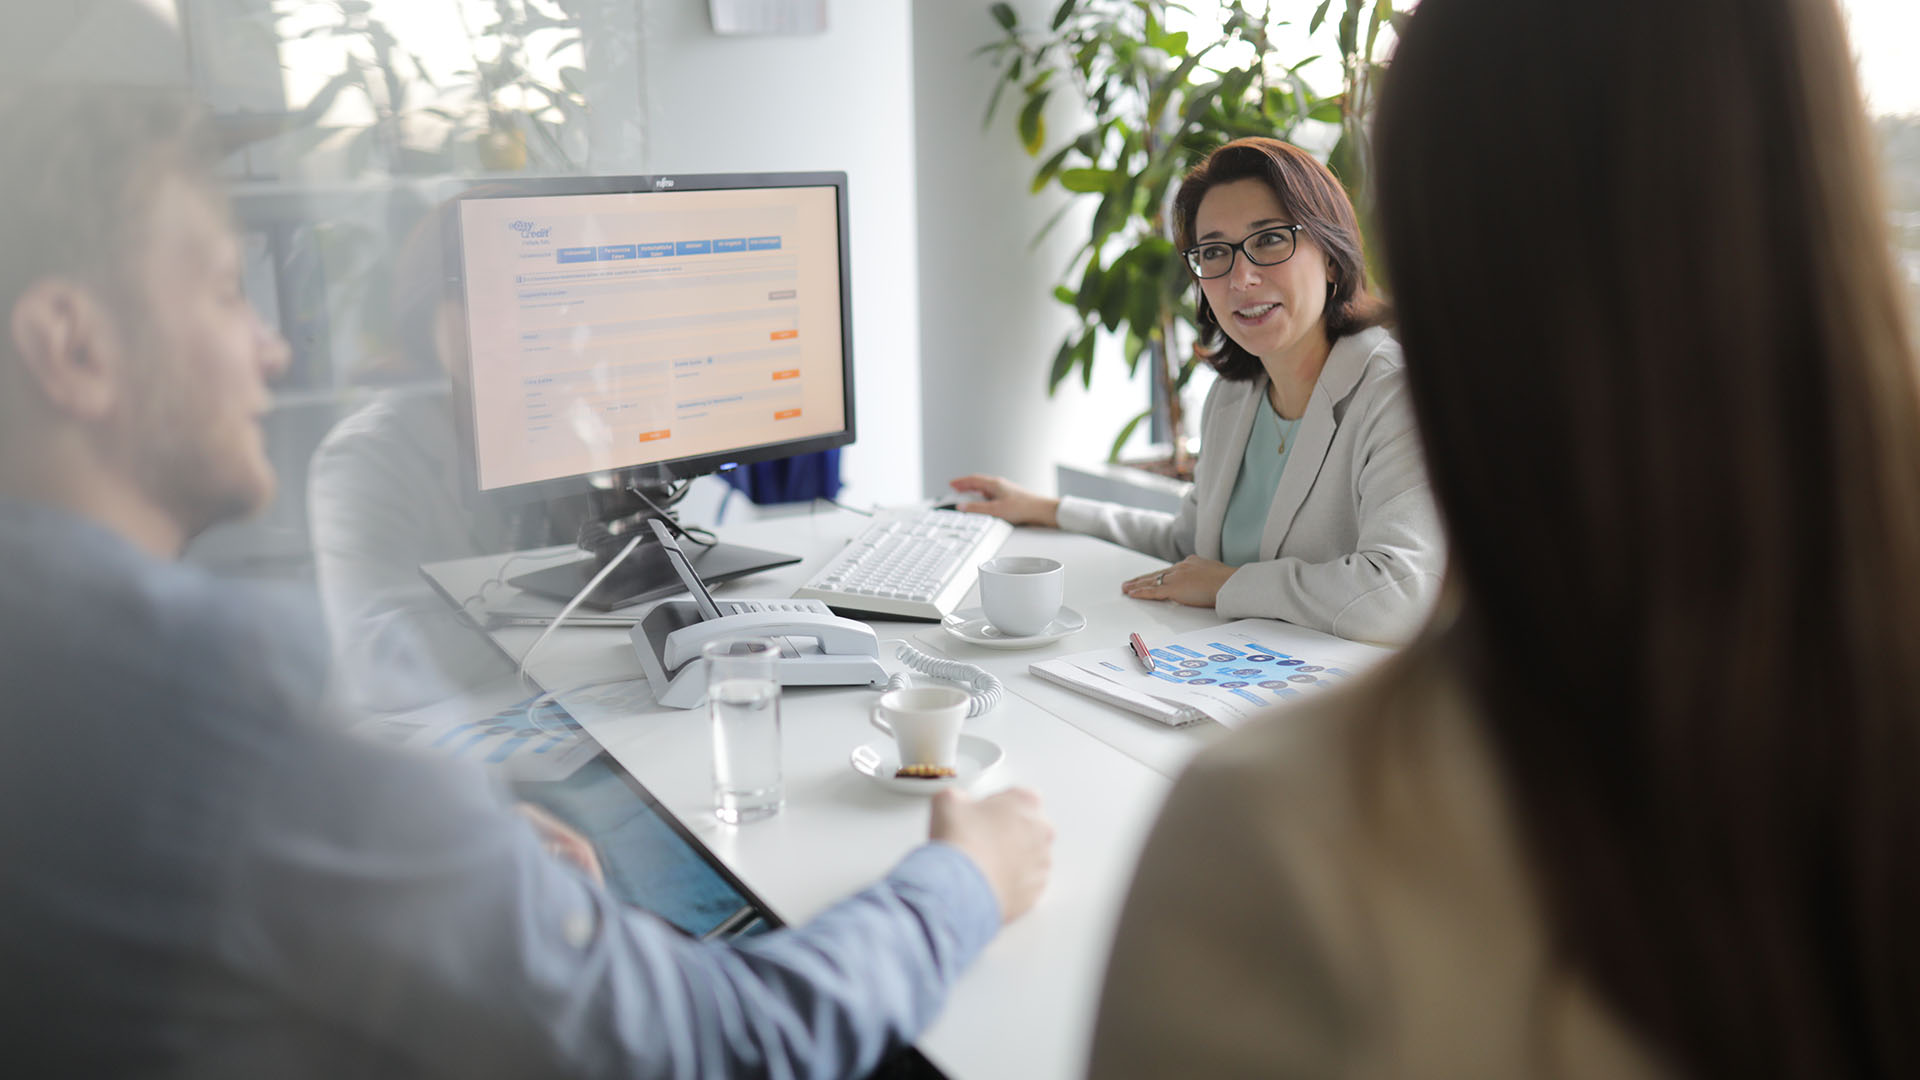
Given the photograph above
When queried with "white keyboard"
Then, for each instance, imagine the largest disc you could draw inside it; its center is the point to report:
(916, 564)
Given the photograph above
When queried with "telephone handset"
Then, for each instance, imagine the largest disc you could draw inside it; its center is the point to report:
(817, 647)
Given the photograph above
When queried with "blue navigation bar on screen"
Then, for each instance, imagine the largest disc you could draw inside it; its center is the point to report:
(665, 249)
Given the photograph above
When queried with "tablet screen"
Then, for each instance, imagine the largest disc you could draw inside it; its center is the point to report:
(650, 860)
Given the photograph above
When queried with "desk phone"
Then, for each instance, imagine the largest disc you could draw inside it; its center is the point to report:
(817, 647)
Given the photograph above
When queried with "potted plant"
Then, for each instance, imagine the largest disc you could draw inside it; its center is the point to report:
(1157, 101)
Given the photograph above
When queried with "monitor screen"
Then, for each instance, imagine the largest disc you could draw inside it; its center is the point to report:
(687, 322)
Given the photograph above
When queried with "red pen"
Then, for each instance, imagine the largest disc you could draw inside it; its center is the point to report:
(1139, 648)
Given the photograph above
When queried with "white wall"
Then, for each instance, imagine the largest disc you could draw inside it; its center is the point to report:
(954, 322)
(839, 100)
(988, 322)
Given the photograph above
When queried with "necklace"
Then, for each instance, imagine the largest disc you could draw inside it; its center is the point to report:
(1282, 429)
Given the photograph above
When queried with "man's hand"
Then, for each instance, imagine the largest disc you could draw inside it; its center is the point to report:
(1192, 581)
(563, 842)
(1003, 498)
(1006, 836)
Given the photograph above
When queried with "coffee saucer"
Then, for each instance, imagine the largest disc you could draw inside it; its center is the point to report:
(971, 625)
(974, 758)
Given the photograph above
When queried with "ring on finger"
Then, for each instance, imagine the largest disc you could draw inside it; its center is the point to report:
(1162, 579)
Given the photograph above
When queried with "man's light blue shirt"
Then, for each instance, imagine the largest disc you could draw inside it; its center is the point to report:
(198, 878)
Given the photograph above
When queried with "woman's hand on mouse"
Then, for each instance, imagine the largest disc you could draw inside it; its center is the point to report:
(1192, 581)
(1003, 498)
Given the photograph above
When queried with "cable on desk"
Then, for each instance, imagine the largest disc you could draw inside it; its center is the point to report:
(500, 577)
(701, 536)
(575, 602)
(985, 689)
(837, 503)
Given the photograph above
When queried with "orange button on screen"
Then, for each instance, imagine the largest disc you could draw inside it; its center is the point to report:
(650, 436)
(782, 335)
(790, 374)
(786, 414)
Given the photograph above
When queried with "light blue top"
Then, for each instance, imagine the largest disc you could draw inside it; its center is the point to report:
(1269, 445)
(199, 879)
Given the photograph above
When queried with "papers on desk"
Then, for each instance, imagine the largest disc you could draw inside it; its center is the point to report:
(1227, 674)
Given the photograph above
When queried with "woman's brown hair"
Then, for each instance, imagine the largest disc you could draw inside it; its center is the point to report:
(1663, 371)
(1316, 202)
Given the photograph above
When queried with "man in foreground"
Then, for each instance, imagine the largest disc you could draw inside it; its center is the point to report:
(195, 876)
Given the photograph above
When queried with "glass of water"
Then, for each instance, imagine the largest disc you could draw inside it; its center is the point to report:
(743, 700)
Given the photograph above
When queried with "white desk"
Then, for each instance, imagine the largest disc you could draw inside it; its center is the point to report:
(1027, 1006)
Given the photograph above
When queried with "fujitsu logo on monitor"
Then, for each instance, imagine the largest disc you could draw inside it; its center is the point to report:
(662, 183)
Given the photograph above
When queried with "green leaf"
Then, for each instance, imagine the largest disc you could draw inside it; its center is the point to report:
(1033, 126)
(1328, 110)
(1091, 285)
(1175, 44)
(1117, 294)
(1062, 364)
(1050, 167)
(1148, 300)
(1083, 356)
(1062, 13)
(1319, 16)
(1199, 99)
(1072, 354)
(1085, 180)
(1174, 80)
(1063, 294)
(1003, 14)
(1344, 161)
(1120, 441)
(993, 103)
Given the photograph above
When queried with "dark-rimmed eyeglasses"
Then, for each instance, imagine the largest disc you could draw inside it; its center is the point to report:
(1268, 247)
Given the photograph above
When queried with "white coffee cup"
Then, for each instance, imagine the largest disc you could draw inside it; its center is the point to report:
(924, 722)
(1022, 593)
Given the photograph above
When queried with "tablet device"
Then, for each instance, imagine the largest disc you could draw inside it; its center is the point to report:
(650, 860)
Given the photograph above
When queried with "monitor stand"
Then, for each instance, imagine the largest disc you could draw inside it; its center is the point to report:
(646, 574)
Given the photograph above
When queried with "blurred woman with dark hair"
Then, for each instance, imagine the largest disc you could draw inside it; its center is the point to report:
(1309, 501)
(1644, 798)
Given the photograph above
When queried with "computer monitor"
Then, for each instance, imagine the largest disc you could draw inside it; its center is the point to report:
(636, 328)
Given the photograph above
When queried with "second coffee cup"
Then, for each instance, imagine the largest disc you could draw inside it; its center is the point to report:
(924, 722)
(1021, 594)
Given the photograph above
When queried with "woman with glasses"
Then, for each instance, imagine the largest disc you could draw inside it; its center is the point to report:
(1310, 502)
(1644, 798)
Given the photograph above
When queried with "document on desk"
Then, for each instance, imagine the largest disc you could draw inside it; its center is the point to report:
(1227, 674)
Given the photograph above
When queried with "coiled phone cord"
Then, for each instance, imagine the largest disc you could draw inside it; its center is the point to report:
(985, 688)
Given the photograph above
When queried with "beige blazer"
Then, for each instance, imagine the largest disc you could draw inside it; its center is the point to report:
(1355, 541)
(1337, 891)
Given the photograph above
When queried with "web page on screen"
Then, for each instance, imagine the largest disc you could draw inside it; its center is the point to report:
(613, 330)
